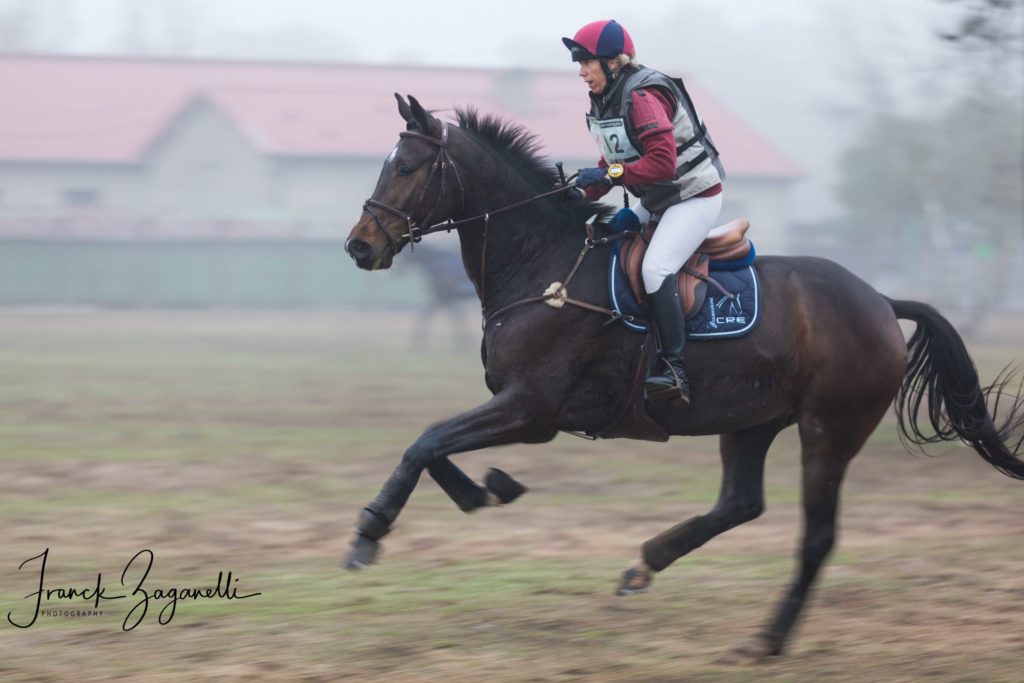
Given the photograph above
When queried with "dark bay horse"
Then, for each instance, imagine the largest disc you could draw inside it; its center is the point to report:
(828, 355)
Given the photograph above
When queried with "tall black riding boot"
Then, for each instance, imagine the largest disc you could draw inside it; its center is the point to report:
(670, 329)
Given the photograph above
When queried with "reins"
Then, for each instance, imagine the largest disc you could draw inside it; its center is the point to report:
(556, 295)
(449, 224)
(441, 162)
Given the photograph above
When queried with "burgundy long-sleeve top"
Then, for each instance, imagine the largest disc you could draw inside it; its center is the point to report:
(652, 119)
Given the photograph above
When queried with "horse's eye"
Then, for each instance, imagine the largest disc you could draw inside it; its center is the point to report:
(406, 170)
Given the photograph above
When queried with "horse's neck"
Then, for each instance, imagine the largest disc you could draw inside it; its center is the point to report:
(522, 247)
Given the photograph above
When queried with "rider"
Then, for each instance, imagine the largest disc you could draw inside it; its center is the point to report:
(652, 141)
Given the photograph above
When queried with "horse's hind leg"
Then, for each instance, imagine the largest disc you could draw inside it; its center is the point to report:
(827, 449)
(740, 500)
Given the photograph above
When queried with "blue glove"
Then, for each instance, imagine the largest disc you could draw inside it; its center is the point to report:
(588, 177)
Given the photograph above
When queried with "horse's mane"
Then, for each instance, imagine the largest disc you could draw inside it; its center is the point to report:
(521, 150)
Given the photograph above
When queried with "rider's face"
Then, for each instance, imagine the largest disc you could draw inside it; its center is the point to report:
(593, 75)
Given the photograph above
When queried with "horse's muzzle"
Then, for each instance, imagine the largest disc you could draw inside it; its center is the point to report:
(361, 252)
(368, 256)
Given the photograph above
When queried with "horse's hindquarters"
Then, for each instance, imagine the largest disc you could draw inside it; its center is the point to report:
(825, 337)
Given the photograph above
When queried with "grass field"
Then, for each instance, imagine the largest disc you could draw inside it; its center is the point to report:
(247, 442)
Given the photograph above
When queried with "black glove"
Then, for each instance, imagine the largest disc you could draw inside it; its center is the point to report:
(589, 177)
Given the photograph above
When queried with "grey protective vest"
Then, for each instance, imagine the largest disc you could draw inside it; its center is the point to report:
(610, 122)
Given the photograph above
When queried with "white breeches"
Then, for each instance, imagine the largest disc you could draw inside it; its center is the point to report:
(682, 228)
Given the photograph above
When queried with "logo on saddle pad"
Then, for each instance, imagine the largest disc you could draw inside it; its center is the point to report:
(720, 315)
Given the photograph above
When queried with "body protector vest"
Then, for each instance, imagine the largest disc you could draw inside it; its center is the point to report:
(610, 122)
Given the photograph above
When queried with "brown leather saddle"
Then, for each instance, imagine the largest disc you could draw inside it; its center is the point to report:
(725, 243)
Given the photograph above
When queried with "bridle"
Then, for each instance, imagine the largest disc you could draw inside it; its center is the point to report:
(555, 295)
(442, 161)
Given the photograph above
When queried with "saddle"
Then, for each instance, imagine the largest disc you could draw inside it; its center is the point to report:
(732, 311)
(727, 242)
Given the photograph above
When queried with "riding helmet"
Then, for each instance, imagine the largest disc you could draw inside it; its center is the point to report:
(600, 39)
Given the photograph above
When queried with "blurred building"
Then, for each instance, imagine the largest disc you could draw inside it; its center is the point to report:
(114, 151)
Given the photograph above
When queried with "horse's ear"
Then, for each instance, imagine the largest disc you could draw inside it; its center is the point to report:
(420, 115)
(403, 108)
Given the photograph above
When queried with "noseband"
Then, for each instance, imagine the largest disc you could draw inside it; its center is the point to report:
(442, 161)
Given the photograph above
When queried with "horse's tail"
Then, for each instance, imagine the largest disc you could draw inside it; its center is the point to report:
(940, 370)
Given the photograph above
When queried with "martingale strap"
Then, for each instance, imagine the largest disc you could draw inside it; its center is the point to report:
(557, 295)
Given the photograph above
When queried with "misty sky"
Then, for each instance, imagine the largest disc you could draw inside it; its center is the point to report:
(804, 73)
(475, 33)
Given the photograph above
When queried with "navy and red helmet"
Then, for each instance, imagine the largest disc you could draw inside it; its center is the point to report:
(600, 39)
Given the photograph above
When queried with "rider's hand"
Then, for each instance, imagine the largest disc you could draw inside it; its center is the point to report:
(575, 194)
(572, 194)
(589, 177)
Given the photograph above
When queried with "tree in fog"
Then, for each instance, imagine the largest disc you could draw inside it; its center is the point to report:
(163, 27)
(941, 192)
(35, 25)
(994, 26)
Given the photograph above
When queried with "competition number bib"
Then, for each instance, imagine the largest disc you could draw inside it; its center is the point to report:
(612, 140)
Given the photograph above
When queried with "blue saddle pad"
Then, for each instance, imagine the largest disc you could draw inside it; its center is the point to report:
(720, 317)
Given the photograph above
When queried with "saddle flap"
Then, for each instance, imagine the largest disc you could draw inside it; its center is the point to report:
(631, 259)
(692, 290)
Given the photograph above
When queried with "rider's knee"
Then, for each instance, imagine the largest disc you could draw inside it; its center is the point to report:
(653, 275)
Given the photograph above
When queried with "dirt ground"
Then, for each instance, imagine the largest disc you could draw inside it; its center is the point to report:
(248, 441)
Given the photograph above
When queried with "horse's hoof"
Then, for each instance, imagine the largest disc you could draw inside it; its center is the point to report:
(362, 554)
(635, 580)
(753, 651)
(503, 486)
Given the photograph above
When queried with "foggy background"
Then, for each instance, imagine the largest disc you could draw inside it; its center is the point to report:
(189, 361)
(904, 120)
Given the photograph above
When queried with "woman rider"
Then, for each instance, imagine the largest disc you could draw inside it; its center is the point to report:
(652, 141)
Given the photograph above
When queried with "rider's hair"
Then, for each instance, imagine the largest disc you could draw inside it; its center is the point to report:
(623, 61)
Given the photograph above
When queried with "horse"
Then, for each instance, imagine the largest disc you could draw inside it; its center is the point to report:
(827, 356)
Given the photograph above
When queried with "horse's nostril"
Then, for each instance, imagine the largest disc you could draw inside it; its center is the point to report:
(359, 249)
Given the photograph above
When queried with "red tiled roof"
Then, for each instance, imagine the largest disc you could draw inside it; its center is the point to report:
(110, 110)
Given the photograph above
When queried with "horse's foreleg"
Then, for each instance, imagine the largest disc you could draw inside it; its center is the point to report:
(498, 489)
(500, 421)
(740, 500)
